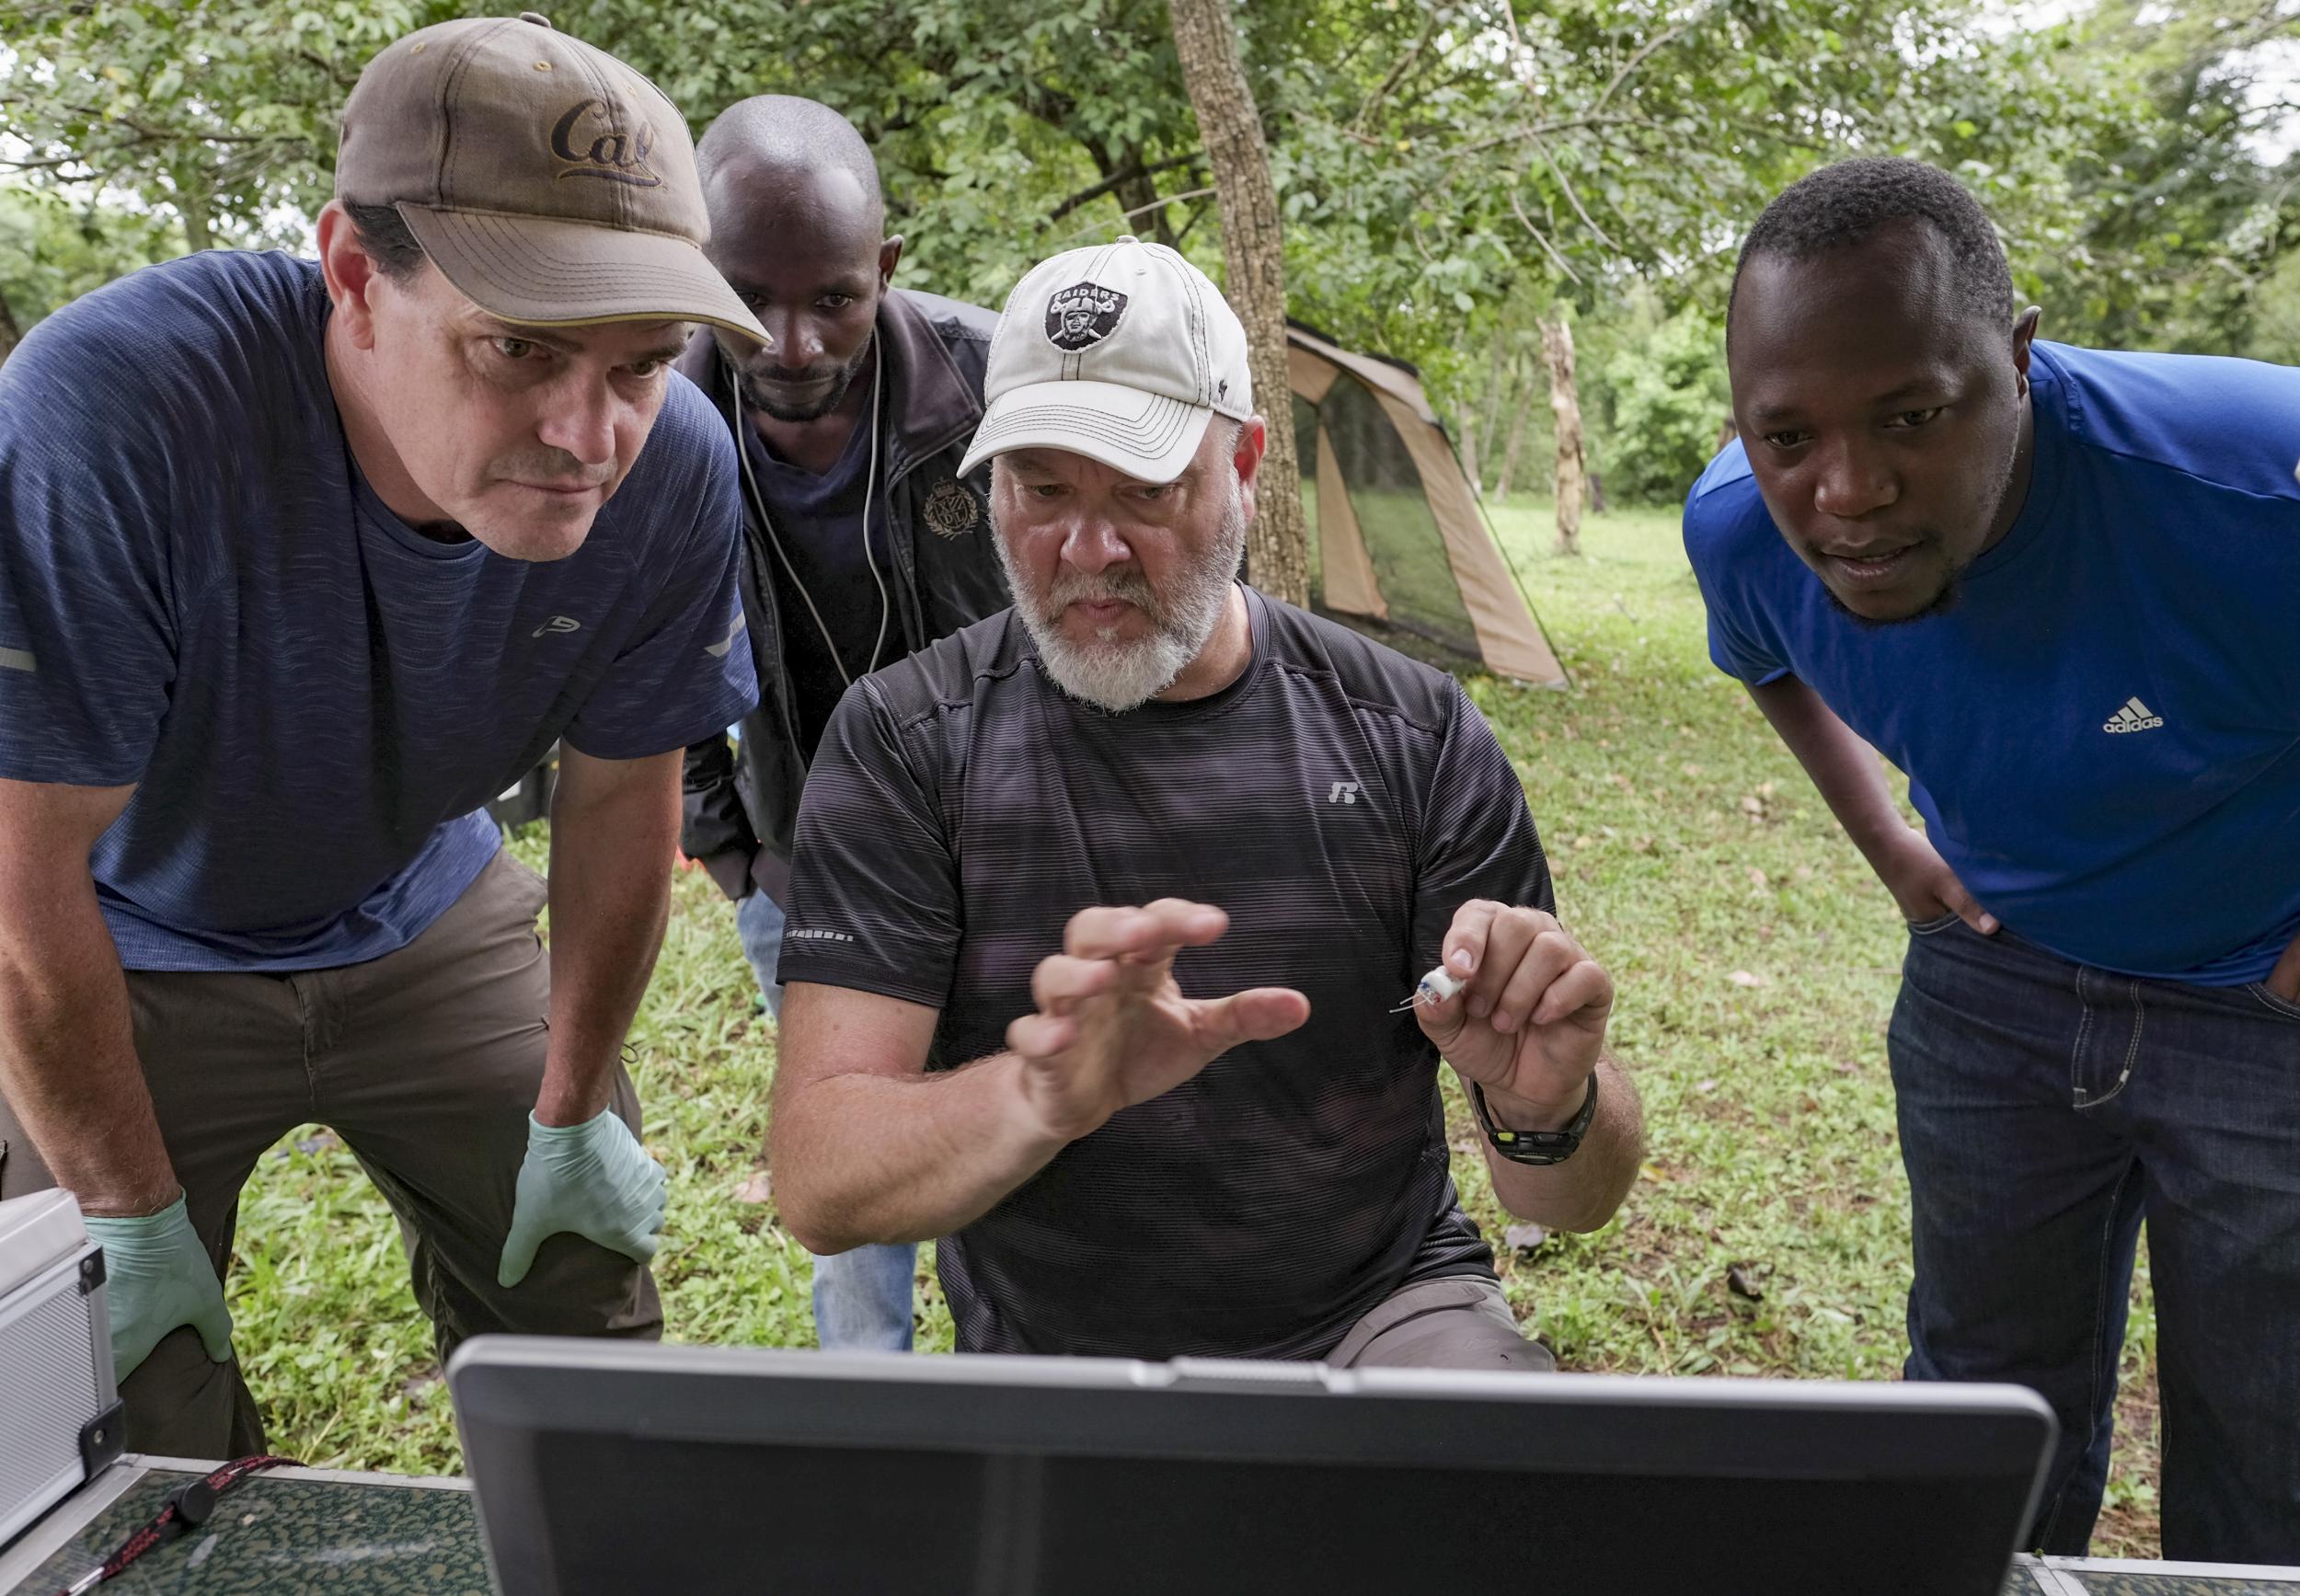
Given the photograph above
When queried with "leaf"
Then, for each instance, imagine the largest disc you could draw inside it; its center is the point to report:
(1740, 1279)
(1745, 977)
(759, 1188)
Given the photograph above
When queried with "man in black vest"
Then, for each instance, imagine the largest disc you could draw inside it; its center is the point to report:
(865, 541)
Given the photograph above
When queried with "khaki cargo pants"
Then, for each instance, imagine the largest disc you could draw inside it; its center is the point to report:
(425, 1062)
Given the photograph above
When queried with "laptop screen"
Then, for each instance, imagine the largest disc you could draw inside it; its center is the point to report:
(1467, 1485)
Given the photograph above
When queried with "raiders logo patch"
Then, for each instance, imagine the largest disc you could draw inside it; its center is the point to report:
(1082, 315)
(951, 510)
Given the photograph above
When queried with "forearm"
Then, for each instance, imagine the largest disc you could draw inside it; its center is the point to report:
(610, 900)
(1584, 1191)
(68, 1061)
(861, 1158)
(1843, 769)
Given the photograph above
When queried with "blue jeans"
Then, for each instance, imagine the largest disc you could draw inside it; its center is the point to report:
(862, 1299)
(2046, 1111)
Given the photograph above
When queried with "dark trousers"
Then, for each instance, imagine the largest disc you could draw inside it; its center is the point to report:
(426, 1063)
(2048, 1109)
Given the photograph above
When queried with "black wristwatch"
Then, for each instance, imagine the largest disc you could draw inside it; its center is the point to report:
(1536, 1147)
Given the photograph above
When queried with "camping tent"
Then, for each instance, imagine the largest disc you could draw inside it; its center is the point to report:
(1400, 548)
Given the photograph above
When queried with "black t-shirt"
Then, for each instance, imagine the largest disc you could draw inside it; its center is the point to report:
(818, 520)
(1339, 801)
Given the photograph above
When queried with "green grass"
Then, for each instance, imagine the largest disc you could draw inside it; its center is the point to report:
(1756, 962)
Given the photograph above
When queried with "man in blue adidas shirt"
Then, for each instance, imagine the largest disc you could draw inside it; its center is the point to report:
(299, 565)
(2057, 588)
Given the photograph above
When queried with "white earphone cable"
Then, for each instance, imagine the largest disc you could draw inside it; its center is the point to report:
(870, 484)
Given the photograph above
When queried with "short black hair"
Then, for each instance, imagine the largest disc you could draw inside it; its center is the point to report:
(784, 130)
(383, 234)
(1842, 205)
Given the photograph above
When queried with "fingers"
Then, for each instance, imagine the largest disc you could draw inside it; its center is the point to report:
(1061, 980)
(1953, 896)
(1041, 1035)
(1512, 952)
(1465, 949)
(1150, 932)
(1583, 989)
(1518, 966)
(1257, 1015)
(215, 1324)
(2284, 980)
(519, 1254)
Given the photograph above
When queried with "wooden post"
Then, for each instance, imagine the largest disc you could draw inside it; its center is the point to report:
(1253, 250)
(1565, 405)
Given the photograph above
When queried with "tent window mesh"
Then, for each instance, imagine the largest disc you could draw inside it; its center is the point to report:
(1427, 617)
(1305, 459)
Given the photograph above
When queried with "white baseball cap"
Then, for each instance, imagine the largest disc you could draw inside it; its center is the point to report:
(1120, 351)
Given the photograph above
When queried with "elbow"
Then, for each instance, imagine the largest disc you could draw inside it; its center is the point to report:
(821, 1240)
(806, 1217)
(1582, 1218)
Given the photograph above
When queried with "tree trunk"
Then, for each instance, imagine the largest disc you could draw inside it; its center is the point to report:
(1205, 37)
(1524, 403)
(9, 334)
(1565, 405)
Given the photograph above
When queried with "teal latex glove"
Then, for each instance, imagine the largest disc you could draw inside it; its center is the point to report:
(593, 1179)
(157, 1276)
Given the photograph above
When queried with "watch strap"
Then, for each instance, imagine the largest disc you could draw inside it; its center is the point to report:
(1536, 1147)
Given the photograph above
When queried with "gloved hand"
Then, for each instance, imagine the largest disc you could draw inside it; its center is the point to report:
(157, 1276)
(593, 1179)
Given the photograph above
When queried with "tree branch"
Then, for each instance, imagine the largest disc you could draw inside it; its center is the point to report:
(1543, 239)
(1119, 179)
(1637, 60)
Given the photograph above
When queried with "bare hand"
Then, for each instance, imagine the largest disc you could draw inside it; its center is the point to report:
(1529, 1021)
(2284, 980)
(1112, 1029)
(1922, 883)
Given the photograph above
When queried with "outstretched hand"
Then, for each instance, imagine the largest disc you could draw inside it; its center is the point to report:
(1529, 1020)
(1112, 1029)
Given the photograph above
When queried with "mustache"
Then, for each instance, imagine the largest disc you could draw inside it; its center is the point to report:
(1125, 584)
(553, 468)
(787, 374)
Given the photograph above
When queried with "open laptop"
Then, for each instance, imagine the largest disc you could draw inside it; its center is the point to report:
(613, 1467)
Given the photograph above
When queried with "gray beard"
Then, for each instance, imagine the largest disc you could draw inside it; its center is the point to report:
(1118, 676)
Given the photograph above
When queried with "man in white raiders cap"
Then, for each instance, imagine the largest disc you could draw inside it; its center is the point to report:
(1104, 907)
(300, 564)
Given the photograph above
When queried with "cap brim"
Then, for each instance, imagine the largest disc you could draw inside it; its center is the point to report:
(1147, 436)
(555, 273)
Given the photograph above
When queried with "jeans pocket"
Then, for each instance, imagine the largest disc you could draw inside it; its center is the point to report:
(2272, 1002)
(1936, 923)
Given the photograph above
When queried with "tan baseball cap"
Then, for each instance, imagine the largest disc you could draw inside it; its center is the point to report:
(1122, 352)
(547, 181)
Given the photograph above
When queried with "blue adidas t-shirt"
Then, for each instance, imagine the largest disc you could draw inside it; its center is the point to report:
(2103, 736)
(199, 594)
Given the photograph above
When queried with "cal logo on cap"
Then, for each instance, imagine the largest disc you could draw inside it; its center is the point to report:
(617, 157)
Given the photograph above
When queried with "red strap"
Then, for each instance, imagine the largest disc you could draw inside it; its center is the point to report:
(171, 1519)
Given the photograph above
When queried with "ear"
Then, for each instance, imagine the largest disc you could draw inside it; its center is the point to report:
(889, 254)
(352, 275)
(1253, 441)
(2024, 336)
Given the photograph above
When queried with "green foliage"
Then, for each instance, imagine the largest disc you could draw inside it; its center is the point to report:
(1662, 395)
(53, 250)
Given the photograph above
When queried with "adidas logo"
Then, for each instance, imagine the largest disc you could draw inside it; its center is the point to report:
(2133, 715)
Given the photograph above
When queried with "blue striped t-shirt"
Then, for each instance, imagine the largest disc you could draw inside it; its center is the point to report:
(202, 596)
